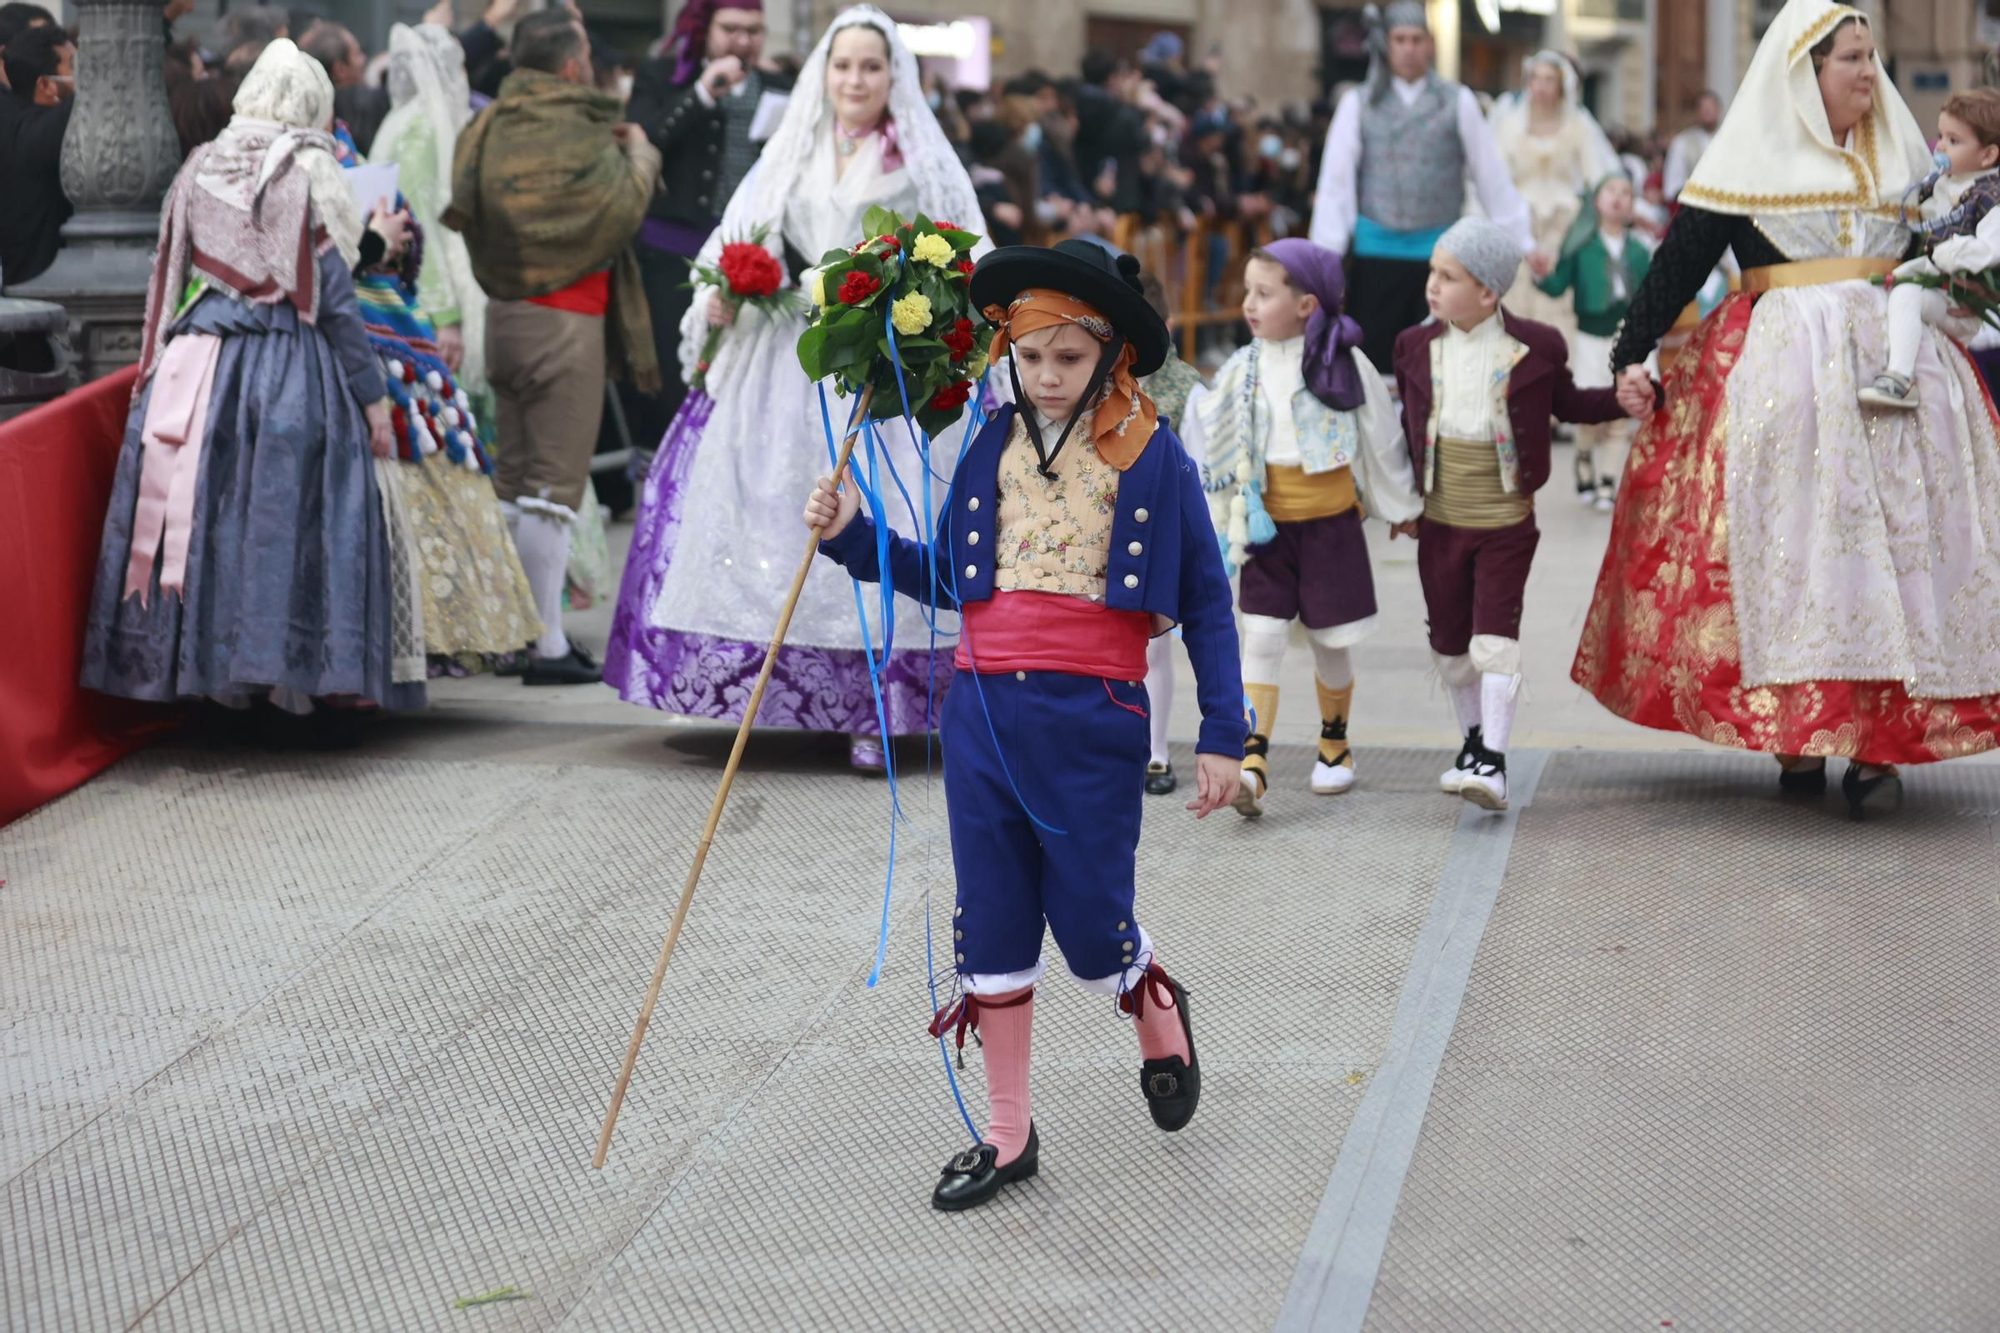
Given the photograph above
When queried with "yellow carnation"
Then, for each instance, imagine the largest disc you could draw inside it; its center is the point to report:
(816, 284)
(934, 250)
(912, 314)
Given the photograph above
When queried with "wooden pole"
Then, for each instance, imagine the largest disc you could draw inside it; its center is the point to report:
(722, 799)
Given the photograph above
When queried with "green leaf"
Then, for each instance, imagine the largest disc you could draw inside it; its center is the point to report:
(879, 221)
(812, 352)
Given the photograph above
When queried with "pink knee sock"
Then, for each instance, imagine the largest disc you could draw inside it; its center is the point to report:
(1005, 1037)
(1158, 1018)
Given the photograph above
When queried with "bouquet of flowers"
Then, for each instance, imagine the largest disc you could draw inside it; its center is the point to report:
(902, 297)
(749, 275)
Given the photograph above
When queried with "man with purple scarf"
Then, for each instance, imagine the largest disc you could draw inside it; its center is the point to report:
(1297, 437)
(698, 102)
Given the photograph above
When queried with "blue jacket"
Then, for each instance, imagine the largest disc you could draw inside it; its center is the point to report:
(1164, 561)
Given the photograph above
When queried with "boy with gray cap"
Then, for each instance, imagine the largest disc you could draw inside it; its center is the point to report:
(1480, 387)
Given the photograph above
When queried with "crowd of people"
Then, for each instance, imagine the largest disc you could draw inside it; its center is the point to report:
(546, 252)
(362, 450)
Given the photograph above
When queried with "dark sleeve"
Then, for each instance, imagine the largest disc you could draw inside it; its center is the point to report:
(675, 119)
(481, 44)
(340, 321)
(913, 571)
(1208, 622)
(373, 247)
(1584, 407)
(1694, 245)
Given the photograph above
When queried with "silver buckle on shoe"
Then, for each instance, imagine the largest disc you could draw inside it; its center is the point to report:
(1163, 1084)
(966, 1163)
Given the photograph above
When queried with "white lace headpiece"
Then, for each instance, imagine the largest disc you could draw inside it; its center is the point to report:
(943, 189)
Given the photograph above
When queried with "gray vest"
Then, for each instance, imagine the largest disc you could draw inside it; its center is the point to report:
(1412, 161)
(738, 153)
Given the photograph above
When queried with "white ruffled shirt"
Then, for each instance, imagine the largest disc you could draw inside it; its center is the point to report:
(1282, 367)
(1469, 362)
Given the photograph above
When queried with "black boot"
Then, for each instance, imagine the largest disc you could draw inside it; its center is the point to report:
(1881, 794)
(971, 1178)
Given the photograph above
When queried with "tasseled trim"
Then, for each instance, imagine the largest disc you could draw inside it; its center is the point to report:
(962, 1016)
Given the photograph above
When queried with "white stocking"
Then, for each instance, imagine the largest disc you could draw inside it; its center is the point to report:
(1263, 648)
(1498, 696)
(1160, 691)
(543, 543)
(1461, 681)
(1333, 665)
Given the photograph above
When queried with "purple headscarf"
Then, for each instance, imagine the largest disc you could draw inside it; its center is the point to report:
(689, 43)
(1332, 335)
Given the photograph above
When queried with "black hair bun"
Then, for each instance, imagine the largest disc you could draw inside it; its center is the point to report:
(1128, 269)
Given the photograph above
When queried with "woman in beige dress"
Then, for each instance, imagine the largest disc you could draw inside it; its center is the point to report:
(1555, 152)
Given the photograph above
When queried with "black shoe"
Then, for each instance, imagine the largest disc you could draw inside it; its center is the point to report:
(1160, 780)
(579, 668)
(971, 1178)
(1801, 781)
(1879, 795)
(1173, 1086)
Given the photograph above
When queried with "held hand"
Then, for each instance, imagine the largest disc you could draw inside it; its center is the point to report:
(627, 134)
(439, 15)
(392, 227)
(1216, 779)
(1407, 528)
(451, 346)
(722, 75)
(1635, 392)
(829, 511)
(381, 434)
(1540, 263)
(721, 311)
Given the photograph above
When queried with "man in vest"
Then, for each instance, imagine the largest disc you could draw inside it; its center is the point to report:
(698, 102)
(1393, 179)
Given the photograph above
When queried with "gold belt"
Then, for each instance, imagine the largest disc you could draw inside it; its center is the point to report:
(1291, 495)
(1468, 492)
(1814, 273)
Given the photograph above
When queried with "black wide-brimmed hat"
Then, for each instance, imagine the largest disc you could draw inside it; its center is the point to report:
(1091, 273)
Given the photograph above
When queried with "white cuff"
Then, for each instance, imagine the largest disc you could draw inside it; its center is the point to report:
(1119, 982)
(1494, 656)
(999, 983)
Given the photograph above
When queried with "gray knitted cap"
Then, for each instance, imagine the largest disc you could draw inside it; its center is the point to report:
(1489, 254)
(1405, 14)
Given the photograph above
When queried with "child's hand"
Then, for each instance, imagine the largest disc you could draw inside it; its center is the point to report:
(1636, 392)
(1216, 777)
(828, 510)
(1408, 528)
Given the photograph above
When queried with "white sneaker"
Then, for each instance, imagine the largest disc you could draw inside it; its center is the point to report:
(1331, 779)
(1250, 795)
(1890, 390)
(1486, 787)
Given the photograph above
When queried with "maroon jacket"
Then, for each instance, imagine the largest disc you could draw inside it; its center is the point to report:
(1541, 390)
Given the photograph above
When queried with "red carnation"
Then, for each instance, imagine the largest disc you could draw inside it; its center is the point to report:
(750, 270)
(946, 226)
(951, 397)
(959, 340)
(858, 288)
(889, 241)
(965, 266)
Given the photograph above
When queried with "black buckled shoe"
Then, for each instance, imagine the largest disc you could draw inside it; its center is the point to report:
(1160, 780)
(1173, 1086)
(579, 668)
(971, 1178)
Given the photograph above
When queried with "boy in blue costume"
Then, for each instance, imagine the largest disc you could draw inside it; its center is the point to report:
(1063, 556)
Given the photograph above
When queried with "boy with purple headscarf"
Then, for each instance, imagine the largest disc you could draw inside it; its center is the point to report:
(1297, 436)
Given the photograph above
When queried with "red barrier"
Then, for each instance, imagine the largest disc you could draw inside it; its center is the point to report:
(56, 467)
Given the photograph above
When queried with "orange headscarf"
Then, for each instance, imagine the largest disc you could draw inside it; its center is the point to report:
(1125, 418)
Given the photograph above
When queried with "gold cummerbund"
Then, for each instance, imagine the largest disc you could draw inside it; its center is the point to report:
(1815, 273)
(1466, 491)
(1291, 495)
